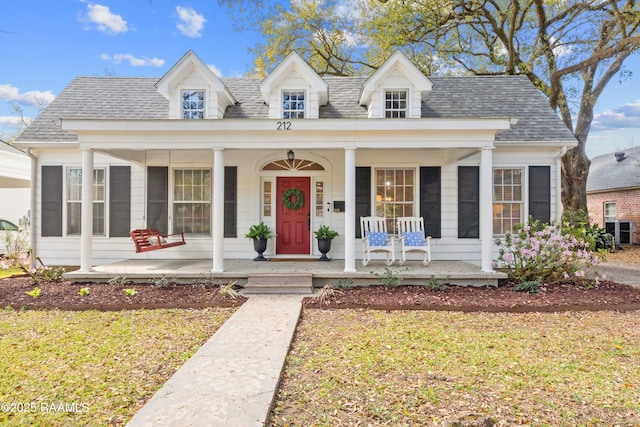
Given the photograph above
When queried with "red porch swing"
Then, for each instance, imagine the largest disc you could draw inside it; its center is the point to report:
(150, 239)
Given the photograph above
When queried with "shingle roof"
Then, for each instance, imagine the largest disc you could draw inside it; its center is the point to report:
(607, 173)
(451, 97)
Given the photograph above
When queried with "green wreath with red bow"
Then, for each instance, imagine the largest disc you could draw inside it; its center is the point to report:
(289, 196)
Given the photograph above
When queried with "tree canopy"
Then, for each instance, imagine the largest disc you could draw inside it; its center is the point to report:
(569, 49)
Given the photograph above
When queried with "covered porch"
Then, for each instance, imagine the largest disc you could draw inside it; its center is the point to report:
(188, 271)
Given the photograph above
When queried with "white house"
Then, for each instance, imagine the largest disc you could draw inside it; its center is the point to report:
(211, 156)
(15, 176)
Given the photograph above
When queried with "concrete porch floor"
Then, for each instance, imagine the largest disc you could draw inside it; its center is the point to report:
(194, 270)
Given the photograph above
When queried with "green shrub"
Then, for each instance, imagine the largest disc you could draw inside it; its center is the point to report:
(435, 285)
(577, 224)
(530, 286)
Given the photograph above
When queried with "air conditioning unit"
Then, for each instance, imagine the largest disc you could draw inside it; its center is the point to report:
(622, 230)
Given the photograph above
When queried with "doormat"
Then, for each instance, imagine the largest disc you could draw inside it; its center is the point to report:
(293, 259)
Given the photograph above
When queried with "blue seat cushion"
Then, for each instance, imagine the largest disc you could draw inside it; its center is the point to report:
(413, 238)
(377, 238)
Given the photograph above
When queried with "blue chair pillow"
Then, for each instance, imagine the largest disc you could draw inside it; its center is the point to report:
(378, 238)
(413, 238)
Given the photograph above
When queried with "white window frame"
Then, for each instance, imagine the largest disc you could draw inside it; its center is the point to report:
(379, 205)
(284, 93)
(606, 211)
(202, 111)
(74, 198)
(397, 110)
(498, 205)
(175, 201)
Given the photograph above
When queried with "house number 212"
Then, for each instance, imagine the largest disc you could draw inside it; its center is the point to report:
(283, 126)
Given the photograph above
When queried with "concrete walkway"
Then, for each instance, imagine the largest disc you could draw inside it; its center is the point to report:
(628, 274)
(233, 378)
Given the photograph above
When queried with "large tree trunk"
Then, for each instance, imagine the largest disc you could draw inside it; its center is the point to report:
(575, 169)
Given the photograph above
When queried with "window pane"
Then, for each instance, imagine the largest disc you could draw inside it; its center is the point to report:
(395, 104)
(73, 217)
(293, 105)
(193, 105)
(394, 194)
(74, 201)
(98, 218)
(192, 197)
(507, 198)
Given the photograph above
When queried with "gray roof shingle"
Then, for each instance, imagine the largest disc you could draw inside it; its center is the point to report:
(451, 97)
(607, 173)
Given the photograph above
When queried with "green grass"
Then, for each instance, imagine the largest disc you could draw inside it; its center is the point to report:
(422, 368)
(101, 366)
(9, 272)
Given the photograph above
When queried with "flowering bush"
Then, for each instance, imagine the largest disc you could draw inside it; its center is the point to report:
(543, 253)
(25, 262)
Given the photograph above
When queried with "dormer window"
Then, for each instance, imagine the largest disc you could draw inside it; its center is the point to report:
(395, 104)
(193, 104)
(293, 104)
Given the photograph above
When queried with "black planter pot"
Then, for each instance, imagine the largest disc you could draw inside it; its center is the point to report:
(260, 245)
(324, 246)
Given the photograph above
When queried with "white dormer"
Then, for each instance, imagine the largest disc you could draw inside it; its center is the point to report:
(194, 91)
(294, 90)
(395, 89)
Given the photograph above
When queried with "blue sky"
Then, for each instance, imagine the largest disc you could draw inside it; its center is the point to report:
(44, 44)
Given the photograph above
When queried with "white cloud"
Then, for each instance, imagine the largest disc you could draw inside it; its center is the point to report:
(105, 20)
(14, 121)
(215, 70)
(559, 48)
(190, 23)
(624, 116)
(33, 98)
(133, 60)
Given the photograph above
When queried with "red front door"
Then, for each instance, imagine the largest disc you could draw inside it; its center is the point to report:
(293, 226)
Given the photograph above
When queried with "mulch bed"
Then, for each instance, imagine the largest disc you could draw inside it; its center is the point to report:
(103, 296)
(109, 297)
(563, 297)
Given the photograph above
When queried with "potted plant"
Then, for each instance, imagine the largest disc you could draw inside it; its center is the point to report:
(325, 235)
(259, 233)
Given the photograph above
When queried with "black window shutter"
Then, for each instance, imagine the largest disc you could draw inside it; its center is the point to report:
(51, 199)
(230, 201)
(430, 200)
(540, 193)
(363, 195)
(468, 202)
(119, 201)
(158, 198)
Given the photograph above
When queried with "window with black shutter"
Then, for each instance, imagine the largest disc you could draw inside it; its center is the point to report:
(431, 200)
(51, 200)
(468, 202)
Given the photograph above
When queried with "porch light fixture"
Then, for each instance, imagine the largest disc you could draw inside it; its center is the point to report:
(291, 156)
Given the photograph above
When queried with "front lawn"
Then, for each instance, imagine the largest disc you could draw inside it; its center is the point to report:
(9, 272)
(91, 368)
(360, 368)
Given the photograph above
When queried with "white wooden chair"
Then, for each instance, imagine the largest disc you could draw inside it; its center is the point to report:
(411, 236)
(376, 239)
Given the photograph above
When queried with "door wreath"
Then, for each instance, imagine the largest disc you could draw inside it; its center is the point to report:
(289, 195)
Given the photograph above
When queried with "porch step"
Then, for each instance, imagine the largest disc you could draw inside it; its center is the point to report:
(279, 283)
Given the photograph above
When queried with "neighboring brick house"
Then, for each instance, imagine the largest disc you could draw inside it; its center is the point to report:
(613, 194)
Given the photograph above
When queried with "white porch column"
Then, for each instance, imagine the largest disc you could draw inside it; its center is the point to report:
(86, 218)
(486, 208)
(350, 209)
(218, 210)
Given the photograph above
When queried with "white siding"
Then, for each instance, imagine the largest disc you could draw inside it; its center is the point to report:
(66, 250)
